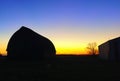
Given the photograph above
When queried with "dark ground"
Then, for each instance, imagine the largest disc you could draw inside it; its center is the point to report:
(64, 68)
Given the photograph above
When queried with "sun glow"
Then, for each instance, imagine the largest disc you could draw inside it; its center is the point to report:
(3, 49)
(62, 47)
(70, 47)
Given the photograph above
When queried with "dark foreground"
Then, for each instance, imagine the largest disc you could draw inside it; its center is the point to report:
(64, 68)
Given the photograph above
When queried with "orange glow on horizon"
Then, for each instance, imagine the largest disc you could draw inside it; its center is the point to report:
(3, 46)
(62, 47)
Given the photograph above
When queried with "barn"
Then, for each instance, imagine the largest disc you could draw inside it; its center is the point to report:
(110, 50)
(25, 44)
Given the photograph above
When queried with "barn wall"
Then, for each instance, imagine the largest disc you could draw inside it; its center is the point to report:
(115, 50)
(112, 52)
(104, 50)
(118, 49)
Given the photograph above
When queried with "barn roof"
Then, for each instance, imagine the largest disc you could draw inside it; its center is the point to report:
(114, 39)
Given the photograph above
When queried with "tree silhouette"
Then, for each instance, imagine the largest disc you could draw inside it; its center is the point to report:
(92, 48)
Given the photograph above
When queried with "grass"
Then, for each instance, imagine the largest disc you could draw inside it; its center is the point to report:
(64, 68)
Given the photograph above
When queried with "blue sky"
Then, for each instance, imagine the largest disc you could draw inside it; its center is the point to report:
(75, 21)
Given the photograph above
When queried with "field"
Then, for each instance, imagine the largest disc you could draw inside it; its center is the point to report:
(63, 68)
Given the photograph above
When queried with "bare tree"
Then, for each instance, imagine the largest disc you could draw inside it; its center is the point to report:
(92, 48)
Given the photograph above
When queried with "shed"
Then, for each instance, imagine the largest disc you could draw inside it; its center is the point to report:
(110, 50)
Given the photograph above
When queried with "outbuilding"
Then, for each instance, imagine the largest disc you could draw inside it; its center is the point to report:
(110, 50)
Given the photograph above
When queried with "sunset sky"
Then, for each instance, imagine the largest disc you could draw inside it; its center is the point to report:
(69, 24)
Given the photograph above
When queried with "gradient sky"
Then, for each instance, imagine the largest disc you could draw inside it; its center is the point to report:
(70, 24)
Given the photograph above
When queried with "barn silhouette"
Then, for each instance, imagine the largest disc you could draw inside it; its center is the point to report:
(25, 44)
